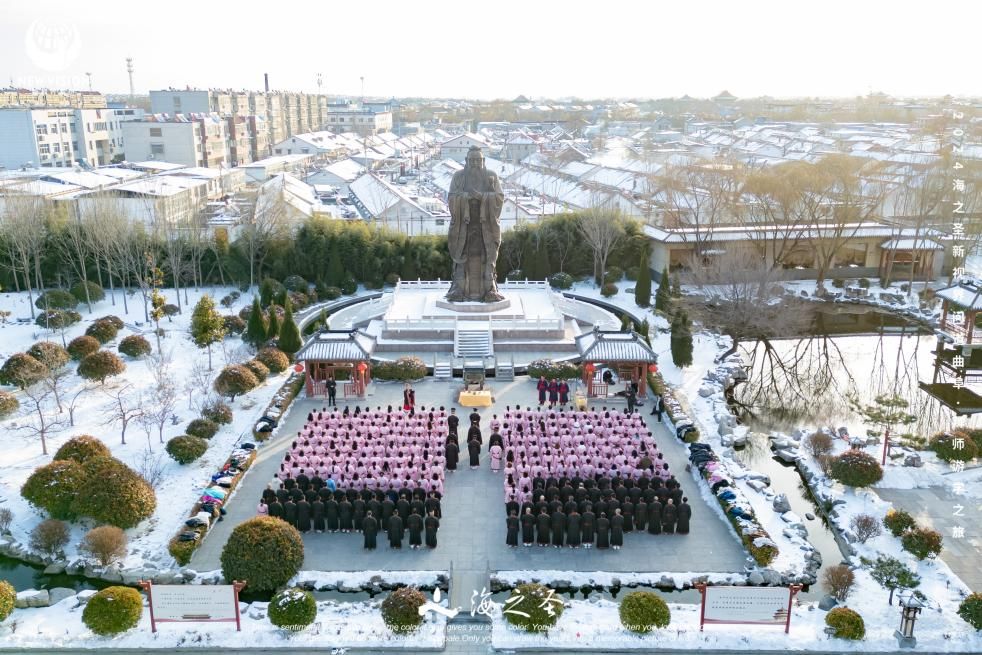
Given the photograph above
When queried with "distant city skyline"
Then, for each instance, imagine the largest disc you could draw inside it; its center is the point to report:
(588, 50)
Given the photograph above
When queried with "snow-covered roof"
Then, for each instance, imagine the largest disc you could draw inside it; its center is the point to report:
(83, 179)
(966, 295)
(155, 165)
(338, 345)
(603, 346)
(745, 233)
(346, 169)
(911, 244)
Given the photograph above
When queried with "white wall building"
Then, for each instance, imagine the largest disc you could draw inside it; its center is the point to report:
(53, 137)
(194, 140)
(456, 147)
(394, 209)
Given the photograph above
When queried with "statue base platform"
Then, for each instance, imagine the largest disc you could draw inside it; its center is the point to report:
(473, 307)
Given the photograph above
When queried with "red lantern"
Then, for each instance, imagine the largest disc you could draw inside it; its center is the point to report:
(298, 367)
(590, 368)
(652, 368)
(362, 367)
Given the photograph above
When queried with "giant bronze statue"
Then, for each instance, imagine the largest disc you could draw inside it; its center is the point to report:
(475, 200)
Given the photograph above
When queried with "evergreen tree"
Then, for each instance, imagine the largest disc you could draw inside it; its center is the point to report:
(290, 341)
(266, 291)
(273, 324)
(409, 269)
(681, 340)
(335, 267)
(645, 330)
(662, 296)
(676, 291)
(256, 329)
(282, 297)
(642, 290)
(207, 325)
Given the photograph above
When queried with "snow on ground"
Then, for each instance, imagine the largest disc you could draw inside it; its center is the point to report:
(180, 485)
(360, 579)
(606, 579)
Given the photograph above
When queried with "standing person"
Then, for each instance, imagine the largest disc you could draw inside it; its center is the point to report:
(563, 393)
(657, 407)
(452, 422)
(511, 535)
(415, 526)
(603, 532)
(290, 512)
(345, 515)
(276, 509)
(475, 418)
(412, 400)
(684, 515)
(573, 528)
(332, 391)
(557, 528)
(396, 531)
(543, 387)
(303, 515)
(331, 514)
(262, 510)
(588, 521)
(430, 525)
(654, 516)
(406, 398)
(528, 527)
(495, 458)
(474, 449)
(640, 515)
(553, 393)
(542, 522)
(369, 527)
(632, 397)
(317, 512)
(617, 530)
(358, 509)
(669, 514)
(452, 453)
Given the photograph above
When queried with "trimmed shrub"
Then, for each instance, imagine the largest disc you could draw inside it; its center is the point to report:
(49, 536)
(274, 359)
(234, 380)
(400, 609)
(82, 448)
(106, 543)
(269, 289)
(957, 446)
(186, 448)
(8, 404)
(863, 283)
(202, 427)
(300, 300)
(838, 581)
(101, 365)
(550, 369)
(922, 542)
(103, 330)
(96, 293)
(818, 444)
(392, 279)
(217, 412)
(293, 609)
(613, 275)
(22, 370)
(113, 610)
(296, 283)
(838, 282)
(56, 299)
(331, 293)
(348, 285)
(533, 607)
(57, 319)
(865, 527)
(182, 551)
(845, 623)
(113, 320)
(170, 310)
(113, 493)
(7, 597)
(54, 487)
(561, 280)
(970, 610)
(640, 611)
(761, 547)
(608, 289)
(403, 369)
(258, 369)
(855, 468)
(81, 347)
(134, 346)
(898, 521)
(233, 324)
(50, 354)
(264, 550)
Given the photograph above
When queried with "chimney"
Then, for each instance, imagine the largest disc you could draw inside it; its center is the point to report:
(266, 78)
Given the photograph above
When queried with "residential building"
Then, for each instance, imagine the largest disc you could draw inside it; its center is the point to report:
(263, 169)
(38, 98)
(322, 145)
(456, 147)
(518, 147)
(361, 119)
(188, 139)
(52, 137)
(412, 215)
(116, 117)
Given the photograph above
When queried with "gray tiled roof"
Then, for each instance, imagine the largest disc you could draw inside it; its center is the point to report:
(965, 295)
(335, 345)
(614, 347)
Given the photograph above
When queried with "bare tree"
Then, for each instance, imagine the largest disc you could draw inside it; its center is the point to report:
(601, 229)
(105, 223)
(699, 197)
(151, 467)
(266, 223)
(73, 244)
(75, 400)
(198, 380)
(123, 409)
(46, 423)
(25, 231)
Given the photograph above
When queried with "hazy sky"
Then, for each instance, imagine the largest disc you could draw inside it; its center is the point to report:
(501, 48)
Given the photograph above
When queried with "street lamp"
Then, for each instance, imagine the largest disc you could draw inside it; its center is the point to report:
(910, 607)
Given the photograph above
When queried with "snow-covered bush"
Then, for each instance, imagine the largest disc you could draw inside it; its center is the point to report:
(104, 330)
(845, 623)
(113, 493)
(106, 543)
(7, 598)
(95, 292)
(330, 293)
(50, 354)
(640, 611)
(80, 347)
(296, 283)
(293, 609)
(258, 369)
(134, 346)
(403, 369)
(54, 488)
(274, 359)
(561, 280)
(608, 289)
(8, 404)
(217, 412)
(81, 448)
(112, 319)
(855, 468)
(202, 427)
(235, 380)
(22, 370)
(170, 310)
(838, 581)
(57, 319)
(56, 299)
(233, 324)
(865, 527)
(898, 521)
(613, 274)
(113, 610)
(970, 609)
(818, 444)
(549, 369)
(400, 609)
(186, 448)
(264, 550)
(49, 536)
(922, 542)
(957, 446)
(348, 285)
(101, 365)
(533, 607)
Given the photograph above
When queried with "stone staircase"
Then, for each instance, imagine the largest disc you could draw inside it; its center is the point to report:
(442, 370)
(473, 341)
(504, 370)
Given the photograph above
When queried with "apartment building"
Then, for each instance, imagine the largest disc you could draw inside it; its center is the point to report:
(52, 137)
(358, 118)
(189, 139)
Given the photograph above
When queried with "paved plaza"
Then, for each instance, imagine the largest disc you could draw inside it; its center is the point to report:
(472, 531)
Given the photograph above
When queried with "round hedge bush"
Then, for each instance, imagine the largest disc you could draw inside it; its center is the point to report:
(542, 607)
(943, 444)
(613, 274)
(112, 319)
(96, 293)
(22, 370)
(855, 468)
(331, 293)
(50, 354)
(235, 380)
(898, 521)
(57, 319)
(640, 611)
(186, 448)
(348, 285)
(217, 412)
(82, 448)
(101, 365)
(970, 610)
(561, 280)
(846, 623)
(8, 404)
(608, 289)
(233, 324)
(274, 359)
(403, 369)
(113, 493)
(264, 551)
(922, 542)
(113, 610)
(293, 609)
(202, 427)
(54, 488)
(258, 369)
(134, 346)
(400, 609)
(81, 347)
(7, 597)
(296, 283)
(56, 299)
(103, 330)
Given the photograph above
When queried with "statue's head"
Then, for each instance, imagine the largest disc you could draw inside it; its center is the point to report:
(475, 158)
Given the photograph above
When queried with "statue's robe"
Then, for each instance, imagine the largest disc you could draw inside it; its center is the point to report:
(475, 234)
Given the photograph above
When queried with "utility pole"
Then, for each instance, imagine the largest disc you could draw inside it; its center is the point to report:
(129, 69)
(89, 75)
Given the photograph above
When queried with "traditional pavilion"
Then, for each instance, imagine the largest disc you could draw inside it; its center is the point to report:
(958, 356)
(345, 355)
(626, 353)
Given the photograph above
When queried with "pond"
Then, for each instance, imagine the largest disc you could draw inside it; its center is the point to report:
(25, 576)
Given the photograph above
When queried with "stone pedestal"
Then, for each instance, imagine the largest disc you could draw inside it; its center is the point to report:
(473, 307)
(905, 642)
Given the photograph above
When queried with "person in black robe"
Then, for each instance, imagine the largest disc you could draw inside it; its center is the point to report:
(452, 454)
(603, 532)
(453, 421)
(375, 507)
(617, 530)
(268, 494)
(676, 496)
(303, 516)
(588, 522)
(296, 494)
(344, 515)
(627, 511)
(528, 527)
(396, 531)
(430, 526)
(388, 508)
(564, 393)
(474, 434)
(654, 517)
(317, 513)
(573, 529)
(358, 510)
(668, 517)
(415, 526)
(684, 515)
(290, 512)
(432, 505)
(417, 505)
(474, 449)
(557, 528)
(403, 508)
(542, 522)
(275, 509)
(282, 494)
(495, 440)
(512, 506)
(511, 536)
(369, 528)
(303, 482)
(331, 510)
(553, 392)
(640, 515)
(475, 418)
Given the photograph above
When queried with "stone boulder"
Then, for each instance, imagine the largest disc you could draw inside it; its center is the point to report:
(32, 598)
(706, 392)
(827, 603)
(791, 519)
(59, 594)
(755, 578)
(781, 504)
(756, 485)
(83, 596)
(56, 568)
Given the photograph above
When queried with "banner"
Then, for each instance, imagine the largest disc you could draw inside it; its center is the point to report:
(193, 603)
(747, 605)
